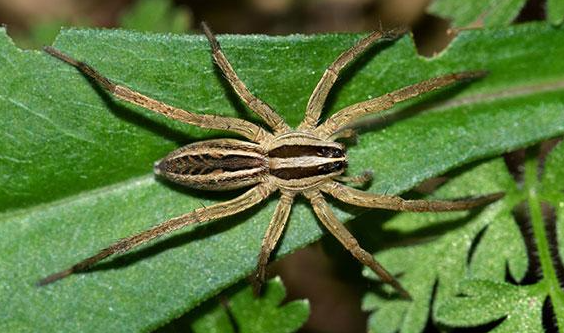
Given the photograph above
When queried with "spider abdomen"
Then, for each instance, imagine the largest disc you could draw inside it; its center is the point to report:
(215, 164)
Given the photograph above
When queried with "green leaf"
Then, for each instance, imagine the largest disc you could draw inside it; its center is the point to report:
(488, 13)
(156, 16)
(438, 259)
(555, 11)
(214, 320)
(478, 247)
(255, 315)
(484, 302)
(77, 165)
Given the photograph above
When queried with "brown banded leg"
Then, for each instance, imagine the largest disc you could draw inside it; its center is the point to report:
(330, 221)
(319, 95)
(261, 108)
(223, 209)
(348, 133)
(240, 126)
(347, 115)
(271, 237)
(363, 199)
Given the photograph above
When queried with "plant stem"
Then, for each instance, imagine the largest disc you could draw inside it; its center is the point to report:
(549, 279)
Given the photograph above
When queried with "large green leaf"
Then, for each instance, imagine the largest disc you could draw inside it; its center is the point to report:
(76, 165)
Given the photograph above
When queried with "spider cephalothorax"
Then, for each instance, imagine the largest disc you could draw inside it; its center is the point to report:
(304, 161)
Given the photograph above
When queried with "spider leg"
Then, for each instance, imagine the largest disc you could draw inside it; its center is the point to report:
(240, 126)
(347, 133)
(345, 116)
(261, 108)
(223, 209)
(330, 221)
(361, 179)
(319, 95)
(271, 237)
(363, 199)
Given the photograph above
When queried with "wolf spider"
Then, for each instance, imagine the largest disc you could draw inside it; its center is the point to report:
(306, 161)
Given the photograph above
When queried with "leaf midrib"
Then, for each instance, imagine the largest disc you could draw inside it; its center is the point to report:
(77, 197)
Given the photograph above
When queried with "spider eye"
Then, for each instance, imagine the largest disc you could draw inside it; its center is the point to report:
(332, 167)
(331, 152)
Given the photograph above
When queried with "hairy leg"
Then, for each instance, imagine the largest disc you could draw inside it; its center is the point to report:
(330, 221)
(273, 233)
(319, 95)
(347, 115)
(261, 108)
(347, 133)
(239, 126)
(227, 208)
(363, 199)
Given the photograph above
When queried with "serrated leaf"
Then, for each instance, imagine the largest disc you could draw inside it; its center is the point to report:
(485, 302)
(77, 166)
(488, 13)
(255, 315)
(472, 247)
(214, 320)
(435, 267)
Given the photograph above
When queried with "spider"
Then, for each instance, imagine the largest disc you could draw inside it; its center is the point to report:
(307, 160)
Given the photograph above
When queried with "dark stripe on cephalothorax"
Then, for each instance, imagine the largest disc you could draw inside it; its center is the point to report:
(287, 151)
(204, 164)
(305, 172)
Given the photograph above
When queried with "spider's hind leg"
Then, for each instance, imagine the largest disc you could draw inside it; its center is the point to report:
(330, 221)
(271, 237)
(372, 200)
(219, 210)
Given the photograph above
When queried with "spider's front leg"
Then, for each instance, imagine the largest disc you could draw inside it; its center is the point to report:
(319, 95)
(239, 126)
(223, 209)
(330, 221)
(259, 107)
(351, 113)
